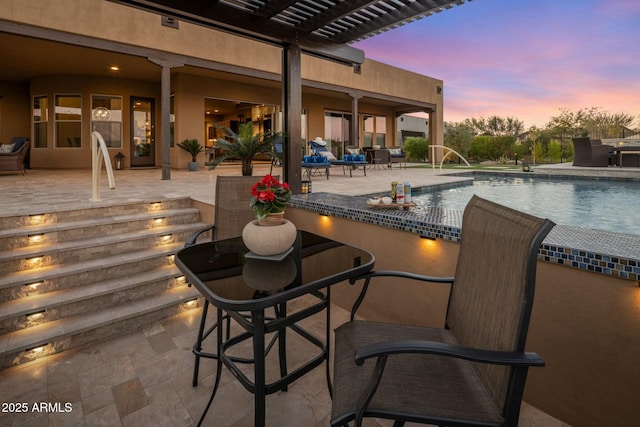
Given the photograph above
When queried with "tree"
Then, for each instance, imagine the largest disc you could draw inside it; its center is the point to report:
(496, 126)
(458, 136)
(600, 124)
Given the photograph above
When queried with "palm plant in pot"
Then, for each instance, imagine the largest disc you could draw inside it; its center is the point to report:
(193, 147)
(246, 146)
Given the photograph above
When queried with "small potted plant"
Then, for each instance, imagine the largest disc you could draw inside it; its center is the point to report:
(270, 234)
(193, 147)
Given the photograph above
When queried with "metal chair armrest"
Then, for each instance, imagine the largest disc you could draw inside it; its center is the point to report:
(511, 358)
(191, 240)
(390, 273)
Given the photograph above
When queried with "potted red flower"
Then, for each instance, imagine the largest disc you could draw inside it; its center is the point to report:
(269, 197)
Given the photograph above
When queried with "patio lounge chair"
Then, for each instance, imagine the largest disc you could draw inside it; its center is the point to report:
(315, 165)
(472, 372)
(590, 153)
(319, 148)
(13, 160)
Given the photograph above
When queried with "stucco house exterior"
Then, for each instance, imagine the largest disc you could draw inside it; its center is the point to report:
(73, 67)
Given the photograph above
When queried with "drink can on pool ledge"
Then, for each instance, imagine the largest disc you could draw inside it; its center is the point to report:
(394, 187)
(407, 192)
(400, 193)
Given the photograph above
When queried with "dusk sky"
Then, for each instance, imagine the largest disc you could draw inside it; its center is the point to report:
(524, 58)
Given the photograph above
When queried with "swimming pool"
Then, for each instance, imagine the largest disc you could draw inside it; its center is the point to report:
(601, 204)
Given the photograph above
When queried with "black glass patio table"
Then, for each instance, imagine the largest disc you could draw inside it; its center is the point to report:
(242, 288)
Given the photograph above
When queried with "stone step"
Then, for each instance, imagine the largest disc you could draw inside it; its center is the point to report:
(54, 277)
(51, 254)
(33, 310)
(95, 273)
(31, 235)
(59, 335)
(104, 211)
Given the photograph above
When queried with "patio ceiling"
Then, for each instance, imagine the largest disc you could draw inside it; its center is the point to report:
(320, 27)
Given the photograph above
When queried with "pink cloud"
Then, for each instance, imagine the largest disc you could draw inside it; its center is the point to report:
(523, 59)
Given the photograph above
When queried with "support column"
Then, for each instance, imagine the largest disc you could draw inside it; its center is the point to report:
(355, 134)
(292, 115)
(434, 139)
(165, 121)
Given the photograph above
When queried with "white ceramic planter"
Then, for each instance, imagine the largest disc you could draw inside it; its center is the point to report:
(269, 240)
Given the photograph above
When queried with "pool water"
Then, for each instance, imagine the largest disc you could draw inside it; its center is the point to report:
(611, 205)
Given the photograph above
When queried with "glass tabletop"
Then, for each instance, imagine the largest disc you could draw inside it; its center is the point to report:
(230, 279)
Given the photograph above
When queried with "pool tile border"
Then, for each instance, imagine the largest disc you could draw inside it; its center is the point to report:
(612, 254)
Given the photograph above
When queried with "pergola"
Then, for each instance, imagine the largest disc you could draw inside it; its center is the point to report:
(323, 28)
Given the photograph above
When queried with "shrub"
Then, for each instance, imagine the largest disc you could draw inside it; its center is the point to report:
(417, 149)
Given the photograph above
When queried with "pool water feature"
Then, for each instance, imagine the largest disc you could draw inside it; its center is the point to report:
(600, 204)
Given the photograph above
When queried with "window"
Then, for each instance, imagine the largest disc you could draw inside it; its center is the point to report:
(337, 131)
(40, 121)
(68, 109)
(106, 118)
(381, 130)
(374, 130)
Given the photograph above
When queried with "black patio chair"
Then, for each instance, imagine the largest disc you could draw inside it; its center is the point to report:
(231, 213)
(472, 372)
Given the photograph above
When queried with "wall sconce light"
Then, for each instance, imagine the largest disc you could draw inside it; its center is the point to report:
(36, 238)
(168, 21)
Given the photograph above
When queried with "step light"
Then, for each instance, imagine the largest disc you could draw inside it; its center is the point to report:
(36, 238)
(37, 352)
(36, 219)
(32, 286)
(35, 260)
(36, 315)
(167, 238)
(158, 221)
(155, 206)
(188, 305)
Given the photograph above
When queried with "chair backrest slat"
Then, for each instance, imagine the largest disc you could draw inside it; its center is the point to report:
(491, 300)
(232, 210)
